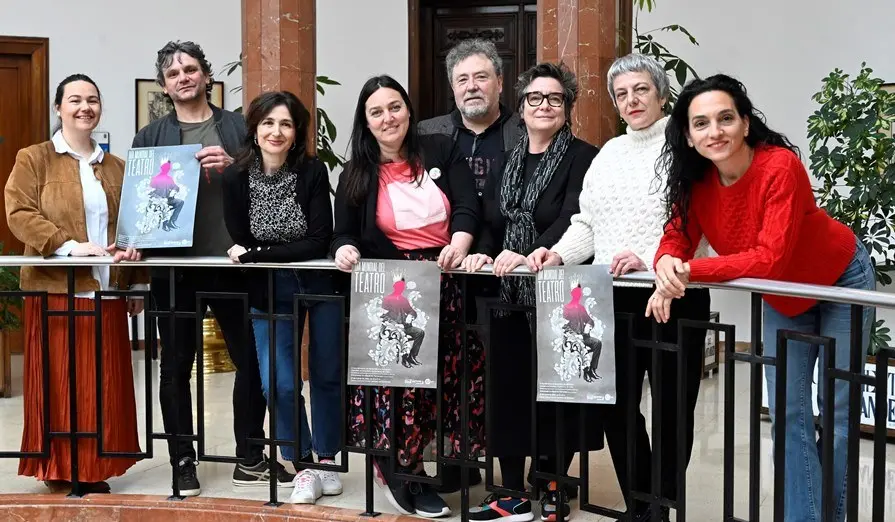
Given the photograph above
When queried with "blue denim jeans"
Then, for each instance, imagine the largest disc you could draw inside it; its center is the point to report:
(324, 365)
(802, 494)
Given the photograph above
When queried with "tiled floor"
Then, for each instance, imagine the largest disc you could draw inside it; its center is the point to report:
(704, 479)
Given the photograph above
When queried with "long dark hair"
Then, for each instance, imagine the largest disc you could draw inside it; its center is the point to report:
(60, 92)
(363, 168)
(683, 164)
(259, 109)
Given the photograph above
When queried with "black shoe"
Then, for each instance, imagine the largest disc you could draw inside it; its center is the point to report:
(571, 489)
(88, 488)
(591, 375)
(427, 502)
(259, 475)
(450, 479)
(396, 492)
(551, 502)
(643, 515)
(187, 481)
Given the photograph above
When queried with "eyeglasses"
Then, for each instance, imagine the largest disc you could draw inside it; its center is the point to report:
(536, 99)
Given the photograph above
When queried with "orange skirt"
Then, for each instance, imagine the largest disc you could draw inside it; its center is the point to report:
(119, 407)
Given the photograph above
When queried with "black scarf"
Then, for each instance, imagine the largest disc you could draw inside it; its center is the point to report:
(517, 204)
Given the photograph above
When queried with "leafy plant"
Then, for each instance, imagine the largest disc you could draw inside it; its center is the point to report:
(645, 43)
(10, 307)
(853, 155)
(326, 129)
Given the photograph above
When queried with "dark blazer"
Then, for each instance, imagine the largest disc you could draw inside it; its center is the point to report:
(554, 210)
(311, 194)
(447, 125)
(356, 224)
(165, 131)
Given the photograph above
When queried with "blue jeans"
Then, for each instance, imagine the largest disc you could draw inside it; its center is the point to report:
(802, 494)
(325, 364)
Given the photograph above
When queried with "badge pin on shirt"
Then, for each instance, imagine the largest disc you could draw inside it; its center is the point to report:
(435, 173)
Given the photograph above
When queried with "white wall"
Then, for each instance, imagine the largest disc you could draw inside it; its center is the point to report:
(357, 39)
(114, 43)
(780, 51)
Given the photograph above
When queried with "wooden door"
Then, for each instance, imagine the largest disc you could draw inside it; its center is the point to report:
(511, 25)
(24, 110)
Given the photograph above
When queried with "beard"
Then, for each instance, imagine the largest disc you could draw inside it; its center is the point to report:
(475, 111)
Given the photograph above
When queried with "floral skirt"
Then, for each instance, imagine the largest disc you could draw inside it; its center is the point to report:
(417, 415)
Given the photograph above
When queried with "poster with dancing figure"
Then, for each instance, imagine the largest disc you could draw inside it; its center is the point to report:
(393, 327)
(158, 197)
(576, 335)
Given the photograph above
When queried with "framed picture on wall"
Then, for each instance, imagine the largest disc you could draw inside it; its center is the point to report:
(152, 104)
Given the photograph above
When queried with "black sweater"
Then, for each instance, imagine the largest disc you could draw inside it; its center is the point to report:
(311, 194)
(356, 224)
(554, 210)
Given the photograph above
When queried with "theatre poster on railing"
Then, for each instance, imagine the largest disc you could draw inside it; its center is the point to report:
(158, 197)
(393, 329)
(576, 339)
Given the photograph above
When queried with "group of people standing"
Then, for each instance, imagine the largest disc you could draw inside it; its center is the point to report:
(485, 184)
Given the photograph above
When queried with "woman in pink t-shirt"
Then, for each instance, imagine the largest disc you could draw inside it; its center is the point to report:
(406, 196)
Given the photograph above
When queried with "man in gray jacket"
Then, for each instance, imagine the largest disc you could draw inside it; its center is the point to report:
(185, 75)
(484, 130)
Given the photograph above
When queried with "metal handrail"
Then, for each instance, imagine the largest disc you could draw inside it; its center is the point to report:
(764, 286)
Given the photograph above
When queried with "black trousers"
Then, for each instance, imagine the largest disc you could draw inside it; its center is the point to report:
(631, 304)
(179, 353)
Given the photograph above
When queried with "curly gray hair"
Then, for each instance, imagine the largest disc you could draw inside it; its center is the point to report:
(472, 47)
(636, 62)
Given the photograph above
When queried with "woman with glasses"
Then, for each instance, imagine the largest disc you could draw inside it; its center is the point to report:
(530, 208)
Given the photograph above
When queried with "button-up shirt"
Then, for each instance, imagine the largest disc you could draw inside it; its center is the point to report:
(96, 208)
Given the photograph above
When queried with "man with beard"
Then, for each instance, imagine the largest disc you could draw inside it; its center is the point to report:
(185, 76)
(485, 132)
(481, 127)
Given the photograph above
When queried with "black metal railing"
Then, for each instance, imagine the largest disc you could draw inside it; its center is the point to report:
(854, 376)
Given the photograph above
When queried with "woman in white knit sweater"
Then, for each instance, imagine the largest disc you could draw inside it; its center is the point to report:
(620, 223)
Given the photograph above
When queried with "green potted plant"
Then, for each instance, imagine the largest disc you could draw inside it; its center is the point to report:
(853, 155)
(10, 323)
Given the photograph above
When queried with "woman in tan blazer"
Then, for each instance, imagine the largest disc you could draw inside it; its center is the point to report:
(62, 199)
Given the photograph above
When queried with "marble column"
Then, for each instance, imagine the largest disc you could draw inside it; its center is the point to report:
(279, 51)
(280, 54)
(583, 35)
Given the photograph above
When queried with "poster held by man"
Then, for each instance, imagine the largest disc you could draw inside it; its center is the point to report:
(393, 328)
(576, 335)
(158, 197)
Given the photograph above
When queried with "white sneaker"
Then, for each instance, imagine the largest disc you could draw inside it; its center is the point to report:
(307, 488)
(330, 481)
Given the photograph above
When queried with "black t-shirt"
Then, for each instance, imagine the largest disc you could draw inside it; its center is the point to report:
(531, 163)
(484, 152)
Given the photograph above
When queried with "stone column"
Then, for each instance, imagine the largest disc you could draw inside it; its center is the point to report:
(583, 34)
(279, 51)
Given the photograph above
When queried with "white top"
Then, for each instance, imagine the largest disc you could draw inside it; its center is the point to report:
(96, 208)
(622, 206)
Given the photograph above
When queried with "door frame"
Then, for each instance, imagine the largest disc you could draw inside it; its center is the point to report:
(624, 17)
(414, 39)
(38, 50)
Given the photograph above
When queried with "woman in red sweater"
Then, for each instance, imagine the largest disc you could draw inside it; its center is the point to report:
(744, 187)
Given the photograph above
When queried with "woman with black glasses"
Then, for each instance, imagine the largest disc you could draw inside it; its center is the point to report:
(531, 207)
